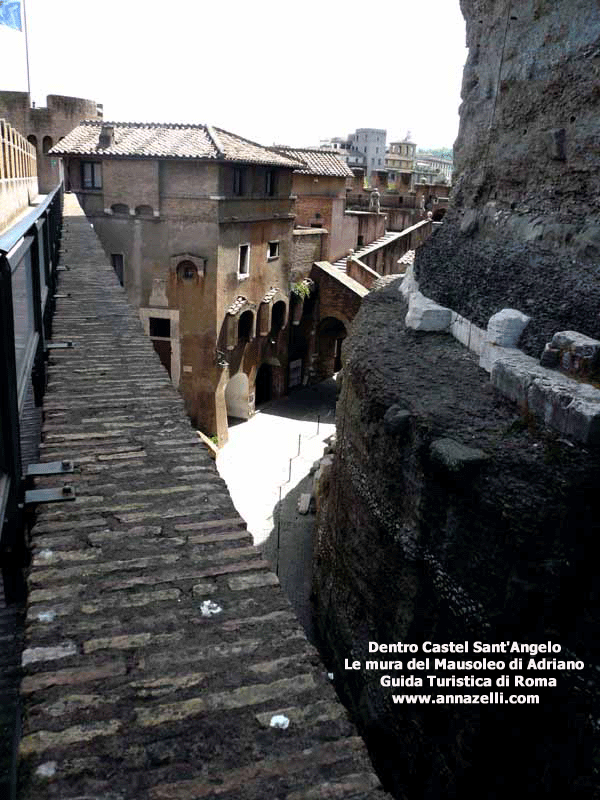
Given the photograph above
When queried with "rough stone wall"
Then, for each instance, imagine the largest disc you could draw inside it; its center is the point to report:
(450, 516)
(413, 547)
(525, 217)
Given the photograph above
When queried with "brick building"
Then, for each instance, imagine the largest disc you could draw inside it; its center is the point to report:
(198, 223)
(320, 191)
(44, 127)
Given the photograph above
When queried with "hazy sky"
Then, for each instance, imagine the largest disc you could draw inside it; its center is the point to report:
(270, 71)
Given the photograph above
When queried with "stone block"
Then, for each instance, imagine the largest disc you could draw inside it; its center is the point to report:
(583, 419)
(425, 315)
(505, 327)
(455, 457)
(575, 352)
(549, 397)
(409, 284)
(512, 374)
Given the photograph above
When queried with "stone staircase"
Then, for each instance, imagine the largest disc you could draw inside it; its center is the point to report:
(390, 236)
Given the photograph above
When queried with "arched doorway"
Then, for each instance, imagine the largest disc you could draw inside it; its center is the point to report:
(263, 384)
(278, 318)
(236, 396)
(331, 333)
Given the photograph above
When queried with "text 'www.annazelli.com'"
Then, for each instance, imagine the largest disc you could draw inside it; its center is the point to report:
(493, 698)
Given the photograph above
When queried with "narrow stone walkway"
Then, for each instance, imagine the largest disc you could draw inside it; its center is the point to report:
(159, 646)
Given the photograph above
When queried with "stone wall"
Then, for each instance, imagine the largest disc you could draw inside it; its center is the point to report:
(525, 211)
(450, 518)
(45, 126)
(448, 513)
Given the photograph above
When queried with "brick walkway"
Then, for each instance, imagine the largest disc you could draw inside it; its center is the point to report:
(133, 687)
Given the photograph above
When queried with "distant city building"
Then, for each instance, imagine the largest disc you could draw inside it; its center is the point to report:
(433, 169)
(400, 161)
(364, 148)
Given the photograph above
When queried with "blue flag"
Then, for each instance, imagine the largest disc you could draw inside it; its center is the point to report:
(10, 14)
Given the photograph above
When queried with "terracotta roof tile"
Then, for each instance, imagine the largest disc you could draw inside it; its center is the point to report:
(318, 162)
(158, 140)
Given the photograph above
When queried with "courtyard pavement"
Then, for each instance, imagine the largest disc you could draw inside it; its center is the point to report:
(255, 464)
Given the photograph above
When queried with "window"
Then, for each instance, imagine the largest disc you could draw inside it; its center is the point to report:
(272, 250)
(270, 183)
(186, 270)
(117, 262)
(46, 144)
(244, 260)
(160, 327)
(91, 175)
(238, 181)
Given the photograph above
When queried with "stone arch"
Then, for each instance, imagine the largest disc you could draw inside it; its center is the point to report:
(265, 313)
(198, 261)
(237, 396)
(46, 144)
(245, 326)
(278, 317)
(230, 334)
(331, 332)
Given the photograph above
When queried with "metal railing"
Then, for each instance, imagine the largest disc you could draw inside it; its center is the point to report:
(29, 253)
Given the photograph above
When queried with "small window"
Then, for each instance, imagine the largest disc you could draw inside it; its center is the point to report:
(160, 327)
(46, 144)
(244, 260)
(245, 323)
(186, 270)
(117, 262)
(91, 175)
(270, 183)
(238, 181)
(272, 250)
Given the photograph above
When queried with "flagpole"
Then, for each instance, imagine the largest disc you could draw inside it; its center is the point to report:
(27, 50)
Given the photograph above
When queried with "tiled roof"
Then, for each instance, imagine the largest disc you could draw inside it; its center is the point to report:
(318, 162)
(157, 140)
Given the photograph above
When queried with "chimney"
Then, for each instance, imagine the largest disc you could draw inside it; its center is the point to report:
(107, 136)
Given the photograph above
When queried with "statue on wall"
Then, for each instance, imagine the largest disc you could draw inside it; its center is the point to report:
(374, 201)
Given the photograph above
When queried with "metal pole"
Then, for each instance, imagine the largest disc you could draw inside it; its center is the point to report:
(299, 435)
(27, 50)
(318, 423)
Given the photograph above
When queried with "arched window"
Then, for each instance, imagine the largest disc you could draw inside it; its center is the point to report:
(119, 208)
(32, 140)
(245, 324)
(277, 317)
(46, 144)
(186, 271)
(144, 211)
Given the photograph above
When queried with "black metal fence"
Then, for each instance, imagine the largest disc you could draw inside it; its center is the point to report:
(29, 253)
